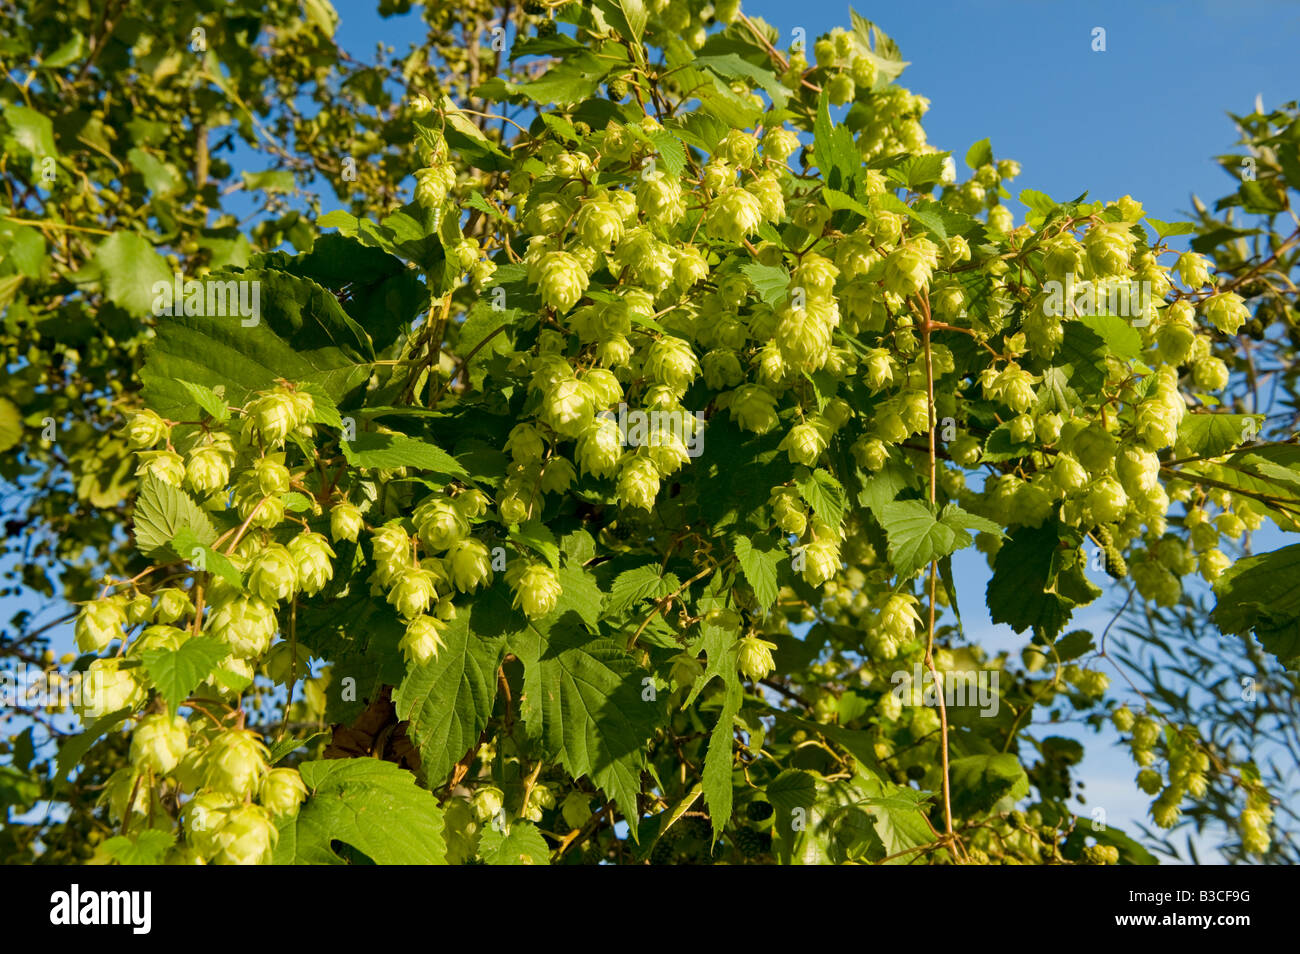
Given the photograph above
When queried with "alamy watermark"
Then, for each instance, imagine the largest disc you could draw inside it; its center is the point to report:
(209, 298)
(646, 428)
(969, 687)
(34, 688)
(1120, 299)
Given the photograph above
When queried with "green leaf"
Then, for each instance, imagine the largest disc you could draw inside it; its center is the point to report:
(161, 512)
(535, 535)
(270, 181)
(836, 200)
(1259, 593)
(670, 150)
(821, 491)
(33, 132)
(760, 559)
(979, 782)
(374, 806)
(632, 586)
(186, 545)
(212, 403)
(918, 173)
(289, 744)
(731, 66)
(1120, 338)
(448, 700)
(377, 451)
(834, 150)
(521, 844)
(1168, 229)
(11, 425)
(1211, 435)
(793, 793)
(586, 699)
(148, 847)
(73, 749)
(581, 595)
(980, 154)
(131, 269)
(719, 758)
(917, 536)
(1022, 591)
(770, 281)
(177, 672)
(302, 335)
(476, 201)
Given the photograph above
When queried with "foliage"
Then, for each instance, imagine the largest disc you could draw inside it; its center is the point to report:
(599, 504)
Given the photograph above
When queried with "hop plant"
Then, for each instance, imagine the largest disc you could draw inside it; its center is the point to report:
(159, 742)
(638, 483)
(561, 280)
(312, 556)
(107, 687)
(145, 429)
(537, 589)
(99, 623)
(246, 836)
(1227, 312)
(283, 791)
(235, 763)
(754, 657)
(414, 592)
(246, 625)
(273, 574)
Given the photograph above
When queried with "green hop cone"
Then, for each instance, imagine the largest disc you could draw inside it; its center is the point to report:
(638, 483)
(422, 640)
(235, 763)
(734, 215)
(754, 657)
(392, 551)
(203, 816)
(106, 688)
(537, 589)
(166, 466)
(568, 407)
(600, 447)
(273, 574)
(246, 625)
(821, 561)
(159, 742)
(1194, 270)
(345, 522)
(440, 523)
(908, 269)
(145, 429)
(207, 470)
(1227, 312)
(247, 836)
(99, 623)
(312, 556)
(272, 416)
(283, 791)
(173, 604)
(672, 362)
(471, 565)
(413, 593)
(804, 443)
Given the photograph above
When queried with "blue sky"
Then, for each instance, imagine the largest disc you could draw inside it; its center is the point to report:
(1145, 117)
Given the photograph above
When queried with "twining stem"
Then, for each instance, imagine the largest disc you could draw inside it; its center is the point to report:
(929, 644)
